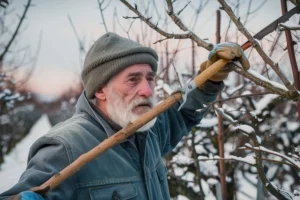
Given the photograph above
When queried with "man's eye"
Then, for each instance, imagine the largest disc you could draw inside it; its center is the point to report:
(133, 79)
(150, 78)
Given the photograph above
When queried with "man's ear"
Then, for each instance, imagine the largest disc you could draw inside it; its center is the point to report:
(100, 94)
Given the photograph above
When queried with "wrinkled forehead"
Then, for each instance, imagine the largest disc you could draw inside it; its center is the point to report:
(137, 69)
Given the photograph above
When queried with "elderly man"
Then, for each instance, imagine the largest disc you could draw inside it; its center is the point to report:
(118, 78)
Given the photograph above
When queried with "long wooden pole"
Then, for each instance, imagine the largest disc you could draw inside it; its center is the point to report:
(121, 135)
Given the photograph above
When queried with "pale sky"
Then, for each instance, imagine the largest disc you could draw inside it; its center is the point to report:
(59, 62)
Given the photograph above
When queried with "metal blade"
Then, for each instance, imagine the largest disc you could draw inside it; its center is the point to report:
(273, 26)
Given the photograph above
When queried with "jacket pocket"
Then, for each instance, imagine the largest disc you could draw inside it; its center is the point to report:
(113, 192)
(161, 171)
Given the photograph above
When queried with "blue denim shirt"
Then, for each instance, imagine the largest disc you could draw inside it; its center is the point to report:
(130, 170)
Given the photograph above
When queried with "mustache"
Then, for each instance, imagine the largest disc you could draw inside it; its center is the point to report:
(138, 101)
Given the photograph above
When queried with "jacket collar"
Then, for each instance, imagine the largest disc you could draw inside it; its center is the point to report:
(84, 105)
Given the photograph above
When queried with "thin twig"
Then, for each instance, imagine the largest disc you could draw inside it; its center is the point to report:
(283, 27)
(183, 8)
(22, 82)
(270, 152)
(81, 46)
(100, 4)
(275, 161)
(156, 10)
(174, 17)
(197, 12)
(240, 96)
(169, 61)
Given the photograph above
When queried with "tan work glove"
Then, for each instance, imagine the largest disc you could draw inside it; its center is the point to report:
(226, 50)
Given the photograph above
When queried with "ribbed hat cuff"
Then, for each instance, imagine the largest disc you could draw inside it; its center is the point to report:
(112, 68)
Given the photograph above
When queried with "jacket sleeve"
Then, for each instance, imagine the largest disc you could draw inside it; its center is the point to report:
(172, 125)
(47, 157)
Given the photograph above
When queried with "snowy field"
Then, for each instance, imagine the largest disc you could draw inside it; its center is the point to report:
(15, 162)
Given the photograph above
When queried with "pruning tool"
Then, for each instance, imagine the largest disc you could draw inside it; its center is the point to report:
(190, 86)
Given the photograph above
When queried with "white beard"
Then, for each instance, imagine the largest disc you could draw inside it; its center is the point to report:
(122, 113)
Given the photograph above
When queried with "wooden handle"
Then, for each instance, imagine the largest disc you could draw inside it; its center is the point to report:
(246, 46)
(123, 134)
(210, 71)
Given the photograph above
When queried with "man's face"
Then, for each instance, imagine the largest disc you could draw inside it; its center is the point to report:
(129, 94)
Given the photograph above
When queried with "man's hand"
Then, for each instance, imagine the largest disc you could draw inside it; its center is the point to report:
(229, 51)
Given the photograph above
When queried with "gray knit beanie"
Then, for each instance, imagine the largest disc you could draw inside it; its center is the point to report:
(109, 55)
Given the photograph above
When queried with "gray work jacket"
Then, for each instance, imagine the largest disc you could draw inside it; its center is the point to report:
(130, 170)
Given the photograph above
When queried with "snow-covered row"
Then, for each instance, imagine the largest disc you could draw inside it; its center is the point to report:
(15, 161)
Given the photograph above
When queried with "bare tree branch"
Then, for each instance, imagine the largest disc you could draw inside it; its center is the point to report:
(283, 27)
(259, 166)
(258, 7)
(197, 12)
(81, 46)
(274, 161)
(240, 96)
(3, 3)
(258, 48)
(183, 8)
(156, 10)
(100, 4)
(173, 16)
(290, 162)
(27, 77)
(15, 32)
(272, 86)
(189, 35)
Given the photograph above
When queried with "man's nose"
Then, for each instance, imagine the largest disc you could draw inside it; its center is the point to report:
(145, 89)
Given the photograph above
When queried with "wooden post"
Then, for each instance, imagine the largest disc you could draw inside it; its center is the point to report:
(291, 52)
(220, 123)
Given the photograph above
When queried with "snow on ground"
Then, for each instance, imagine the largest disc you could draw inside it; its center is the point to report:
(15, 161)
